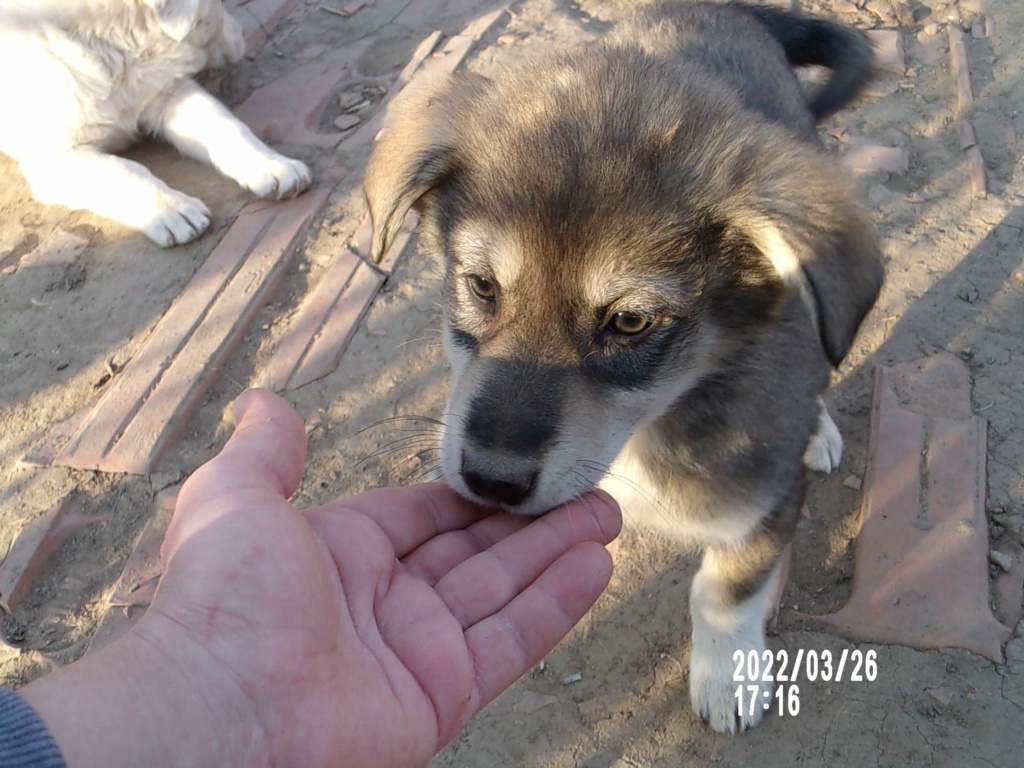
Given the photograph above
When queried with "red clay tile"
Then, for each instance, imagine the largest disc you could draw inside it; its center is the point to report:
(136, 586)
(166, 410)
(326, 350)
(921, 565)
(871, 158)
(976, 170)
(109, 417)
(149, 401)
(338, 286)
(308, 321)
(259, 17)
(45, 450)
(958, 55)
(288, 109)
(34, 546)
(889, 52)
(966, 131)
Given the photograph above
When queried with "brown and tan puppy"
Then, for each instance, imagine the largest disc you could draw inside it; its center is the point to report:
(651, 266)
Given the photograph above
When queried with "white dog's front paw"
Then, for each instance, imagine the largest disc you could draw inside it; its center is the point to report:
(825, 450)
(277, 178)
(714, 685)
(177, 219)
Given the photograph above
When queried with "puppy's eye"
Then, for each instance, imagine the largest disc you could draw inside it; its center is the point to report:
(484, 289)
(628, 323)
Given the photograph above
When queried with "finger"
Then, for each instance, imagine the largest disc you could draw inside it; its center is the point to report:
(436, 557)
(414, 514)
(263, 459)
(487, 582)
(504, 646)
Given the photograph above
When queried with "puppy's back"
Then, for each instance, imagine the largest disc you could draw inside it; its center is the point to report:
(753, 48)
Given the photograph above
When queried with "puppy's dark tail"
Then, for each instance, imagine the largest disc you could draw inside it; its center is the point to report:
(810, 41)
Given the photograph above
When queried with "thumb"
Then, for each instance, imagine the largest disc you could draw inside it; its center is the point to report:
(264, 457)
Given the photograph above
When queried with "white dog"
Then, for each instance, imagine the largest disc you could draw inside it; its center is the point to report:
(80, 79)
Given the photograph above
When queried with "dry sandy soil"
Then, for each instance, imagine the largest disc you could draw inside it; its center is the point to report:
(955, 283)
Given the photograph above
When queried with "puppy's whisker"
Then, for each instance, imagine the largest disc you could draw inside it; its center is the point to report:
(404, 444)
(391, 419)
(605, 470)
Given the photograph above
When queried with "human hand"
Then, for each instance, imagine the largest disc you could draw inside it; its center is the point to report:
(362, 633)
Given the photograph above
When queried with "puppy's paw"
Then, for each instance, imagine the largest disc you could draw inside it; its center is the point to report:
(177, 219)
(713, 685)
(277, 178)
(825, 450)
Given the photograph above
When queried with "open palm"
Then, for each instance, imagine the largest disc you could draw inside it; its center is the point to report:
(365, 632)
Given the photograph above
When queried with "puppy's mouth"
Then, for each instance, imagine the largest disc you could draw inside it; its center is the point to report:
(518, 484)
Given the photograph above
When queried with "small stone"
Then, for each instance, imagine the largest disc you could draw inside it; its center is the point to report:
(349, 99)
(853, 482)
(880, 8)
(1004, 561)
(941, 696)
(970, 295)
(930, 28)
(346, 122)
(575, 677)
(414, 462)
(845, 6)
(1009, 521)
(508, 39)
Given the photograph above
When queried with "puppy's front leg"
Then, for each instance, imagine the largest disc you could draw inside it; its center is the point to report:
(729, 605)
(202, 128)
(87, 179)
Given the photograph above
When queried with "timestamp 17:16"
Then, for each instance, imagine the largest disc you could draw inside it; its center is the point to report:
(751, 698)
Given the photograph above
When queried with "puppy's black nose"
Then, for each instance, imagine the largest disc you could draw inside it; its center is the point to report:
(509, 487)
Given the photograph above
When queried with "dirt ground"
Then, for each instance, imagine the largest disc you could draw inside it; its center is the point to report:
(615, 692)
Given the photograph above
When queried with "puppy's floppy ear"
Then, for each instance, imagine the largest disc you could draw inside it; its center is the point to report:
(175, 17)
(414, 151)
(821, 243)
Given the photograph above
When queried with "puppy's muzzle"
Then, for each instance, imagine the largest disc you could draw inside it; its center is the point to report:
(509, 427)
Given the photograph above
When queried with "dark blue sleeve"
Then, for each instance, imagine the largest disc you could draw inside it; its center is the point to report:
(25, 741)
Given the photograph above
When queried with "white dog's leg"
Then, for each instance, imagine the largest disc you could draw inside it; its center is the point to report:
(728, 629)
(825, 450)
(202, 128)
(86, 178)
